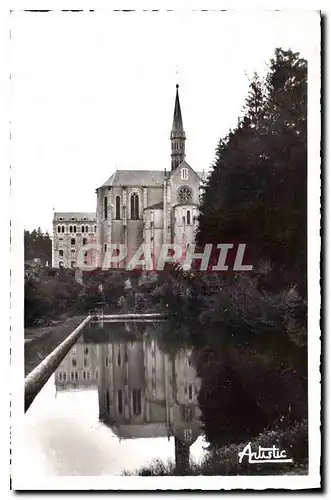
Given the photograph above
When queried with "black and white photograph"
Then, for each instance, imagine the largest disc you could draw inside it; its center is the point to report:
(165, 184)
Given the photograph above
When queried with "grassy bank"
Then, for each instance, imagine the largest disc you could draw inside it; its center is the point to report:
(225, 460)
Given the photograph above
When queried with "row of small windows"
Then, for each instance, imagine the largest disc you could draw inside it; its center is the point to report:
(134, 207)
(119, 359)
(73, 218)
(86, 375)
(73, 242)
(72, 263)
(73, 229)
(73, 350)
(74, 362)
(136, 401)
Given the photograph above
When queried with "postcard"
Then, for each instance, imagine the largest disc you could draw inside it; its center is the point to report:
(165, 173)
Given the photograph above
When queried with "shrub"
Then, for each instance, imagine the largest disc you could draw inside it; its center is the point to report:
(225, 461)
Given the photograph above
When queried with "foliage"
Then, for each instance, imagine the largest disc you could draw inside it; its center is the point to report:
(49, 294)
(256, 192)
(102, 286)
(37, 245)
(53, 293)
(225, 461)
(243, 391)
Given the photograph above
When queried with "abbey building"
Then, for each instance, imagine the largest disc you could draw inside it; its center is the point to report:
(135, 207)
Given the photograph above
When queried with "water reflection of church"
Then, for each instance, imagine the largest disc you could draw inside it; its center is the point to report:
(142, 391)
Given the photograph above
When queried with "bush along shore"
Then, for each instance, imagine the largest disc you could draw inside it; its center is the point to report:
(225, 461)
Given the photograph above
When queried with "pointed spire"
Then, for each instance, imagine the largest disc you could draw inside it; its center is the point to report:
(177, 124)
(177, 135)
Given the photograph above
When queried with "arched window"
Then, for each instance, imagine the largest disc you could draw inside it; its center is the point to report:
(95, 229)
(188, 217)
(58, 229)
(70, 229)
(120, 401)
(73, 241)
(134, 206)
(105, 207)
(118, 207)
(62, 229)
(136, 396)
(184, 174)
(187, 414)
(188, 435)
(190, 392)
(75, 229)
(83, 228)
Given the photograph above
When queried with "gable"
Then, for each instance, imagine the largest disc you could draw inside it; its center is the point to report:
(175, 175)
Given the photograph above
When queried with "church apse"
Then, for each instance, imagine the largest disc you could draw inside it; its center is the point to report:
(136, 207)
(158, 392)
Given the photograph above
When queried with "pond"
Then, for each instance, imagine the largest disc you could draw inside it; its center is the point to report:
(117, 402)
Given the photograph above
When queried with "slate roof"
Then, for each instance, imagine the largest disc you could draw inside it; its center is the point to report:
(146, 178)
(79, 216)
(155, 206)
(135, 178)
(131, 431)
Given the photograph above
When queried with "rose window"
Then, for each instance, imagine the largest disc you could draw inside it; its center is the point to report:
(184, 194)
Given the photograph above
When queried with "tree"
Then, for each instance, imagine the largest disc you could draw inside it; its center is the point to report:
(37, 245)
(256, 192)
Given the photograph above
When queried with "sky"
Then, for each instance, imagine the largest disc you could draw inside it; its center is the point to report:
(93, 92)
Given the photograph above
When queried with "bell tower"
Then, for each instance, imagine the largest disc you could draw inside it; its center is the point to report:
(177, 136)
